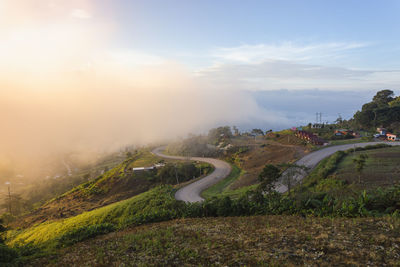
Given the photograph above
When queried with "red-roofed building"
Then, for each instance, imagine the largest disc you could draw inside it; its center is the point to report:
(392, 137)
(309, 137)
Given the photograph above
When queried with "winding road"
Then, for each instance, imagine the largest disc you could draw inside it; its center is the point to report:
(191, 192)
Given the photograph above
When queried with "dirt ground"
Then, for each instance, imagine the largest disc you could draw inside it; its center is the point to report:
(242, 241)
(263, 151)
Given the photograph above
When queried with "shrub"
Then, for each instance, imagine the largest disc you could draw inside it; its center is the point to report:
(85, 232)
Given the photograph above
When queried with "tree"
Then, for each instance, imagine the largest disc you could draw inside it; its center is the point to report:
(383, 97)
(291, 173)
(382, 111)
(395, 102)
(339, 120)
(236, 131)
(360, 164)
(219, 134)
(16, 205)
(268, 177)
(257, 132)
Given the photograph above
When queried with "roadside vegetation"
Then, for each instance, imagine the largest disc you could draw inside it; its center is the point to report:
(337, 174)
(223, 186)
(351, 141)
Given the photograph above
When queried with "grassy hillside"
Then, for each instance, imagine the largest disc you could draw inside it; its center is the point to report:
(240, 241)
(117, 184)
(154, 205)
(382, 168)
(223, 186)
(337, 174)
(159, 204)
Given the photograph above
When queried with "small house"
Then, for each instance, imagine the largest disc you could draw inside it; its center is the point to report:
(392, 137)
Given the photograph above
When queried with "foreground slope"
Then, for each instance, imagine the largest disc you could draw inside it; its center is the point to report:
(157, 204)
(239, 241)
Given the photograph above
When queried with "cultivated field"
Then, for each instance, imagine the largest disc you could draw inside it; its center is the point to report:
(382, 168)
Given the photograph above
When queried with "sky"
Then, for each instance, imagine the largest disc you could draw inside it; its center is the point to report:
(96, 74)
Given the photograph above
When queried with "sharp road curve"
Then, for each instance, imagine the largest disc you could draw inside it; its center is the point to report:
(191, 192)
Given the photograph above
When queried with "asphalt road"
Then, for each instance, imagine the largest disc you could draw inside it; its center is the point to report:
(191, 192)
(311, 160)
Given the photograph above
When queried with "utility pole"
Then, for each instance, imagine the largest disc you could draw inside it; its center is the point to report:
(200, 168)
(9, 197)
(176, 175)
(318, 118)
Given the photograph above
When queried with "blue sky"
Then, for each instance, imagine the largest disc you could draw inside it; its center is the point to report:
(301, 48)
(191, 30)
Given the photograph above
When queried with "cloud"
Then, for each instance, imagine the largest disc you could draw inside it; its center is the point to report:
(81, 14)
(287, 51)
(62, 89)
(291, 66)
(282, 74)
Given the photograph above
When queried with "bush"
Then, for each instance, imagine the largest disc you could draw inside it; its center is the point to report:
(7, 254)
(85, 232)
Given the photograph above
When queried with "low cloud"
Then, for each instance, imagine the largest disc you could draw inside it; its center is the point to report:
(62, 89)
(281, 74)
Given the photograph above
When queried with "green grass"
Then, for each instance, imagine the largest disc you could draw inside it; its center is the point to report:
(154, 205)
(336, 174)
(236, 193)
(381, 168)
(223, 185)
(222, 188)
(145, 159)
(349, 141)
